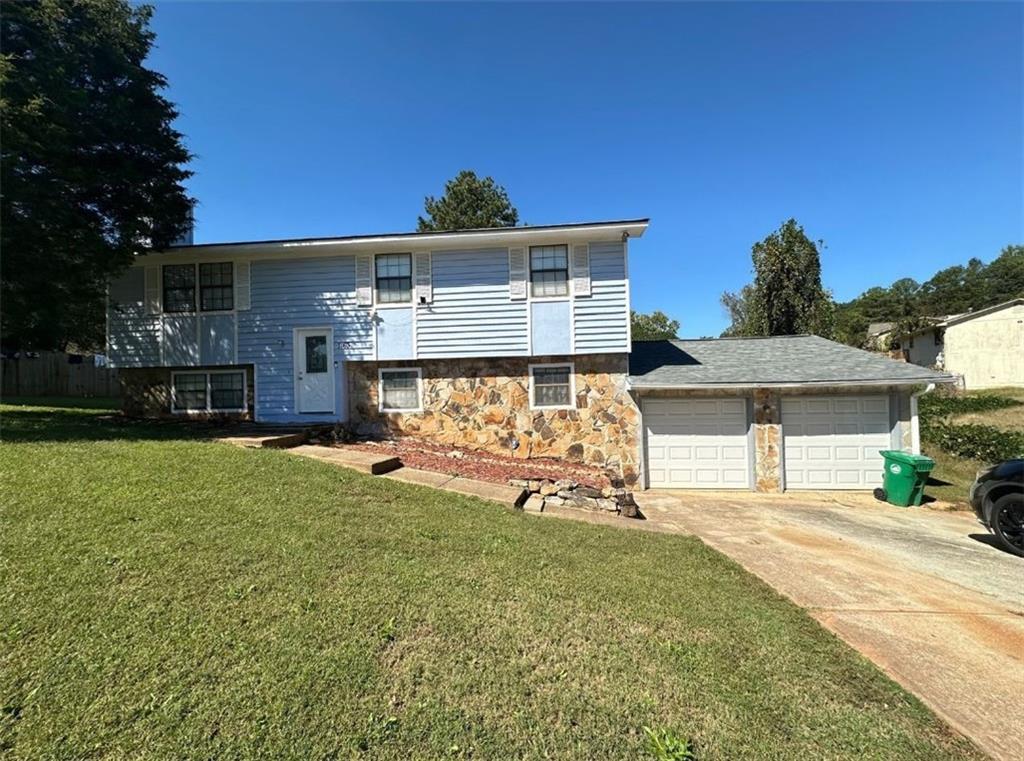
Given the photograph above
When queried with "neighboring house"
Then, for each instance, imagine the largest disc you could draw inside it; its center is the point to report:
(879, 336)
(985, 347)
(512, 340)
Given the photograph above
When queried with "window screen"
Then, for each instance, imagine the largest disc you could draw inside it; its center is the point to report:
(551, 386)
(394, 278)
(216, 287)
(399, 389)
(179, 287)
(549, 270)
(190, 391)
(227, 391)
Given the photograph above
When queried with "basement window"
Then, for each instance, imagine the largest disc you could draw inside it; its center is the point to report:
(551, 387)
(219, 391)
(400, 390)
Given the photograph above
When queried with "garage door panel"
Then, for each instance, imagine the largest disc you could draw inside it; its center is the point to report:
(697, 443)
(833, 442)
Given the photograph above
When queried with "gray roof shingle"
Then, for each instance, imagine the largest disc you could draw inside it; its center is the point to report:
(770, 361)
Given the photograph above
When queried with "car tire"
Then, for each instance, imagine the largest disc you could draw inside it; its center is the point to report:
(1007, 521)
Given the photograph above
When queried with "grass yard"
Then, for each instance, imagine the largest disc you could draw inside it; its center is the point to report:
(168, 597)
(953, 475)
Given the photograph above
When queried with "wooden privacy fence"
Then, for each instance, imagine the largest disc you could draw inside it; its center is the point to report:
(53, 373)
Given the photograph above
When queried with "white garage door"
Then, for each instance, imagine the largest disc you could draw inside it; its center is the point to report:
(697, 443)
(832, 442)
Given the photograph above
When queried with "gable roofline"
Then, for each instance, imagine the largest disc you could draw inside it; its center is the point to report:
(409, 241)
(957, 319)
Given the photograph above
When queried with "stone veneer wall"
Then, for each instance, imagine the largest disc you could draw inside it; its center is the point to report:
(146, 391)
(484, 404)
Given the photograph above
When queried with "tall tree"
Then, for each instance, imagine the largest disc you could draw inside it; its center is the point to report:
(652, 327)
(468, 203)
(787, 296)
(92, 168)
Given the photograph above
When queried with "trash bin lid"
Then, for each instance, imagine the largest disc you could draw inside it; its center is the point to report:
(917, 461)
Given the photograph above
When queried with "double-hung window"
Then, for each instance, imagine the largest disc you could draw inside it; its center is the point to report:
(179, 287)
(551, 386)
(216, 287)
(394, 278)
(549, 270)
(218, 391)
(400, 390)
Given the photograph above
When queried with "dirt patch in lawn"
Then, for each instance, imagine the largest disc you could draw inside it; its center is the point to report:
(484, 466)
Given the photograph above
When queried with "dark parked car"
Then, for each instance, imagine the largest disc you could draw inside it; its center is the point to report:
(997, 496)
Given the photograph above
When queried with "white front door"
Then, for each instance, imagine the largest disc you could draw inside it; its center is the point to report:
(832, 442)
(697, 443)
(314, 370)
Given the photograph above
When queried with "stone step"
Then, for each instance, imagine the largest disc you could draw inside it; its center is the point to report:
(373, 464)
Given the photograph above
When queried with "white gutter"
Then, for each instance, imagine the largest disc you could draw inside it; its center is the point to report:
(640, 386)
(915, 425)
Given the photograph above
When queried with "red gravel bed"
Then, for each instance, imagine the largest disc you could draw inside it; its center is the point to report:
(484, 466)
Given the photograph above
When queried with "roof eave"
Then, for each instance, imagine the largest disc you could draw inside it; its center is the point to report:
(639, 385)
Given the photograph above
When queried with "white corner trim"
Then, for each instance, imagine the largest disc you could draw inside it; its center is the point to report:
(572, 386)
(380, 388)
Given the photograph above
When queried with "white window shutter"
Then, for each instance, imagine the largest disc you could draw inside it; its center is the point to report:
(581, 269)
(152, 295)
(364, 281)
(517, 273)
(424, 281)
(243, 286)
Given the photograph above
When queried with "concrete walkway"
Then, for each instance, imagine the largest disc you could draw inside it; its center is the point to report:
(924, 595)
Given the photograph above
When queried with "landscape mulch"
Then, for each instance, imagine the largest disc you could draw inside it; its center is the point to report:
(480, 465)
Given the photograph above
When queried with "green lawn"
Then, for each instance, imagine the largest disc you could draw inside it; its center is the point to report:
(167, 597)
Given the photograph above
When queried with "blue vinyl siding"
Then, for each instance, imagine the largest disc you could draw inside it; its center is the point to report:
(550, 329)
(217, 339)
(133, 337)
(471, 314)
(394, 333)
(288, 294)
(602, 321)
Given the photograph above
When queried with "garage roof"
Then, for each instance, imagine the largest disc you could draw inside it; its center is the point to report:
(772, 361)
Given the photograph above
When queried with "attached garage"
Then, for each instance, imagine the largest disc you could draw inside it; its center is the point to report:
(832, 442)
(697, 443)
(774, 413)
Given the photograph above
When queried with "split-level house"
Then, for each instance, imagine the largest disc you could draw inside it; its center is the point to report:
(511, 340)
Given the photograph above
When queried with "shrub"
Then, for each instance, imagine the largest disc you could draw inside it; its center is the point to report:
(935, 405)
(976, 442)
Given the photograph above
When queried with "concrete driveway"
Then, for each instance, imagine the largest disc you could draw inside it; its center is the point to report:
(923, 594)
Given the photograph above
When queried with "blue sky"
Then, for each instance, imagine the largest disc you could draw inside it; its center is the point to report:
(895, 132)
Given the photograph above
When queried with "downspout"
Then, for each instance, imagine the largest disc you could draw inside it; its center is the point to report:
(915, 426)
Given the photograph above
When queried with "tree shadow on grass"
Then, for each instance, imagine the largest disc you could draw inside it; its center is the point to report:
(40, 421)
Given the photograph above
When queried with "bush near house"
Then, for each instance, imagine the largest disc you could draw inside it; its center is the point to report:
(965, 432)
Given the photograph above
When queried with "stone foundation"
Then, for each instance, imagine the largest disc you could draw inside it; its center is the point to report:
(146, 392)
(485, 404)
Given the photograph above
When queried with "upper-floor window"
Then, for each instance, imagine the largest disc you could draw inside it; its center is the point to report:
(394, 278)
(179, 287)
(549, 270)
(216, 287)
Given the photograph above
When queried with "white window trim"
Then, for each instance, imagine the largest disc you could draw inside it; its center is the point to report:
(567, 296)
(377, 303)
(572, 386)
(198, 294)
(380, 388)
(209, 396)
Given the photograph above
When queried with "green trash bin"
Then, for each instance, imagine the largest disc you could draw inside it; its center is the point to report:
(905, 477)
